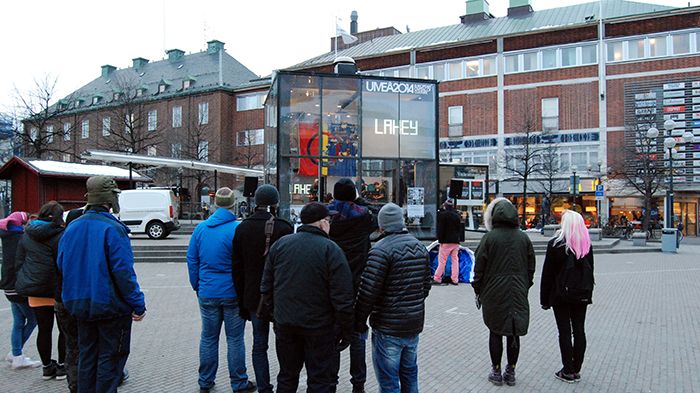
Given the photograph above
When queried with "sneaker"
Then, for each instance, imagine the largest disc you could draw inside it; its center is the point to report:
(509, 375)
(206, 390)
(250, 387)
(358, 388)
(23, 361)
(439, 283)
(577, 377)
(60, 371)
(49, 372)
(124, 378)
(9, 357)
(562, 376)
(453, 283)
(495, 377)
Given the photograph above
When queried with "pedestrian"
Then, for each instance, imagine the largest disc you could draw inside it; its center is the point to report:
(567, 287)
(350, 229)
(308, 284)
(23, 319)
(503, 274)
(392, 294)
(37, 278)
(209, 266)
(251, 244)
(100, 289)
(448, 227)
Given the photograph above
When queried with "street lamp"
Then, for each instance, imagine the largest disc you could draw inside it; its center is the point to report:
(670, 144)
(574, 187)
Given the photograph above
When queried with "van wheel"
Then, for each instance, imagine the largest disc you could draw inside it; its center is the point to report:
(156, 230)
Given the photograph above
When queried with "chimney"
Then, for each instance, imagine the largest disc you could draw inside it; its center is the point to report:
(519, 8)
(214, 46)
(353, 23)
(139, 62)
(107, 70)
(477, 10)
(174, 55)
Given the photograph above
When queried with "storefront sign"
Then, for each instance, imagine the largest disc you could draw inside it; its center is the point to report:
(674, 101)
(674, 86)
(645, 96)
(674, 109)
(674, 93)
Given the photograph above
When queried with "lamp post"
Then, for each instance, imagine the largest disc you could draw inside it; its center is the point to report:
(574, 186)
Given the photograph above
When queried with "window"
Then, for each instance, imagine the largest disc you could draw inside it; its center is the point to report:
(116, 96)
(66, 157)
(589, 54)
(177, 116)
(139, 92)
(403, 72)
(162, 87)
(568, 56)
(175, 150)
(615, 51)
(550, 114)
(77, 103)
(423, 72)
(529, 61)
(203, 151)
(454, 121)
(489, 66)
(152, 151)
(85, 128)
(439, 72)
(106, 126)
(635, 49)
(203, 113)
(511, 63)
(33, 134)
(49, 134)
(681, 43)
(250, 137)
(454, 70)
(250, 101)
(657, 46)
(129, 122)
(549, 58)
(580, 159)
(66, 131)
(186, 83)
(152, 120)
(95, 100)
(473, 68)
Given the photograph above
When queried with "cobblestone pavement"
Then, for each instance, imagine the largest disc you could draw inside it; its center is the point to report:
(643, 336)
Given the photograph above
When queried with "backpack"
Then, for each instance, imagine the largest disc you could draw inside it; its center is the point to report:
(575, 281)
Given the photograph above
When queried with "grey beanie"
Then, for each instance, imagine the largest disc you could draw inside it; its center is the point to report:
(391, 218)
(267, 195)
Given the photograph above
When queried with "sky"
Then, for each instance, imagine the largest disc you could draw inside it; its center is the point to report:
(70, 40)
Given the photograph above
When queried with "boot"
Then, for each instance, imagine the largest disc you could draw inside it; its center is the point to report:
(509, 375)
(495, 377)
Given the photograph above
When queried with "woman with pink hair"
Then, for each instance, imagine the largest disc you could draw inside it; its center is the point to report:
(567, 287)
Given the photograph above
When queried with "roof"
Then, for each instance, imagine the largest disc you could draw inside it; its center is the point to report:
(202, 68)
(547, 19)
(69, 169)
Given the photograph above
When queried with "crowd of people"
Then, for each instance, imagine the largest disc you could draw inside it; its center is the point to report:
(317, 288)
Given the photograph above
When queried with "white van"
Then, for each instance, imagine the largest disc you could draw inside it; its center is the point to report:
(149, 211)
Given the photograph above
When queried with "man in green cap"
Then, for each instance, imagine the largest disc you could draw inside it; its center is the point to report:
(99, 287)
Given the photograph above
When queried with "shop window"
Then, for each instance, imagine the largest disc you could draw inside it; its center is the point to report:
(589, 54)
(549, 58)
(657, 46)
(615, 51)
(550, 114)
(635, 49)
(681, 43)
(341, 101)
(568, 56)
(455, 123)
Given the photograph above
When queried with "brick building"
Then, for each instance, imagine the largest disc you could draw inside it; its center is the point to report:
(565, 80)
(203, 106)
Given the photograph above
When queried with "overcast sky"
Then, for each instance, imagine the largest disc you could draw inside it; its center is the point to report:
(70, 40)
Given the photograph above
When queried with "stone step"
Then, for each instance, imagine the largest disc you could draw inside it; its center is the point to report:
(160, 259)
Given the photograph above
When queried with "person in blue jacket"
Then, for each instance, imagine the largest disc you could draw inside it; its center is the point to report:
(209, 266)
(100, 288)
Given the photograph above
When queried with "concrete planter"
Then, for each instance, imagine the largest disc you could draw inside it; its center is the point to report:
(549, 230)
(639, 239)
(596, 234)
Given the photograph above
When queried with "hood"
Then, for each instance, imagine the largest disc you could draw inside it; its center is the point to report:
(221, 216)
(41, 230)
(346, 210)
(500, 212)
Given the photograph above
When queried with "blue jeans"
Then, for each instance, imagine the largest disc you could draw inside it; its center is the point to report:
(395, 362)
(261, 365)
(104, 347)
(23, 325)
(214, 313)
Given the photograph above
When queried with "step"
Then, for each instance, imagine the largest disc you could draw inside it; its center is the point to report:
(160, 259)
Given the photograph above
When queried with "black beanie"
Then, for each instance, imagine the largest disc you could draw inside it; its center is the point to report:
(267, 195)
(344, 190)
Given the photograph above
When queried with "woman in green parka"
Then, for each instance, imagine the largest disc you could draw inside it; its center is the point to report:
(503, 274)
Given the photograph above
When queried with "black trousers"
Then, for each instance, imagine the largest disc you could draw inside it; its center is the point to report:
(571, 318)
(68, 326)
(496, 349)
(316, 352)
(44, 318)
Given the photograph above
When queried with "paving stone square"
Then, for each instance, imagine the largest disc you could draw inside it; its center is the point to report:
(643, 335)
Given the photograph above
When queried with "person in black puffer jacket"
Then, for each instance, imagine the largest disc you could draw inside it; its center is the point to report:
(448, 227)
(350, 229)
(37, 278)
(392, 293)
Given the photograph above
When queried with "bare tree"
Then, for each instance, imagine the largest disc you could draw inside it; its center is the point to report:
(197, 147)
(249, 150)
(129, 132)
(547, 174)
(643, 167)
(524, 161)
(39, 116)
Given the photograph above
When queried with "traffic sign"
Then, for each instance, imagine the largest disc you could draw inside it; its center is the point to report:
(599, 192)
